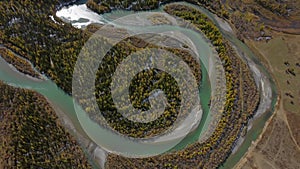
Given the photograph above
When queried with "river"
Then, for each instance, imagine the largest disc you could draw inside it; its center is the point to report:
(80, 16)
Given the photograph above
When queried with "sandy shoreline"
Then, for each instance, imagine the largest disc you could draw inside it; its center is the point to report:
(261, 81)
(97, 154)
(254, 143)
(265, 94)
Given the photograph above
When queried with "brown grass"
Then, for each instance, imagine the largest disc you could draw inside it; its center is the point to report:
(279, 144)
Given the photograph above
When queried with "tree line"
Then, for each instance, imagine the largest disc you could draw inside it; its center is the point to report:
(242, 98)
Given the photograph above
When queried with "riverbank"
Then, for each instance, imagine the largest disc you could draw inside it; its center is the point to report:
(256, 142)
(96, 153)
(55, 64)
(97, 156)
(20, 64)
(226, 27)
(31, 131)
(278, 55)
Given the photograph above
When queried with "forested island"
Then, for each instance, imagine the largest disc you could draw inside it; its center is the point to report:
(241, 90)
(140, 88)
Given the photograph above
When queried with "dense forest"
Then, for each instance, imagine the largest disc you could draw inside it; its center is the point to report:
(102, 6)
(140, 88)
(241, 101)
(32, 135)
(19, 63)
(52, 46)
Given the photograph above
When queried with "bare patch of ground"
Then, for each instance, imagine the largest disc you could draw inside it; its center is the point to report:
(294, 123)
(276, 149)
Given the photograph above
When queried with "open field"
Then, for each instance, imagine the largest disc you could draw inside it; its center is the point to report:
(278, 147)
(282, 57)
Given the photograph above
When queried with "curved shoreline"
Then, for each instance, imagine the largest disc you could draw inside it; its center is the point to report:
(95, 149)
(265, 98)
(41, 76)
(92, 151)
(266, 86)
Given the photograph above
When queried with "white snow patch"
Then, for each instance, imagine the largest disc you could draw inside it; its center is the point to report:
(74, 13)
